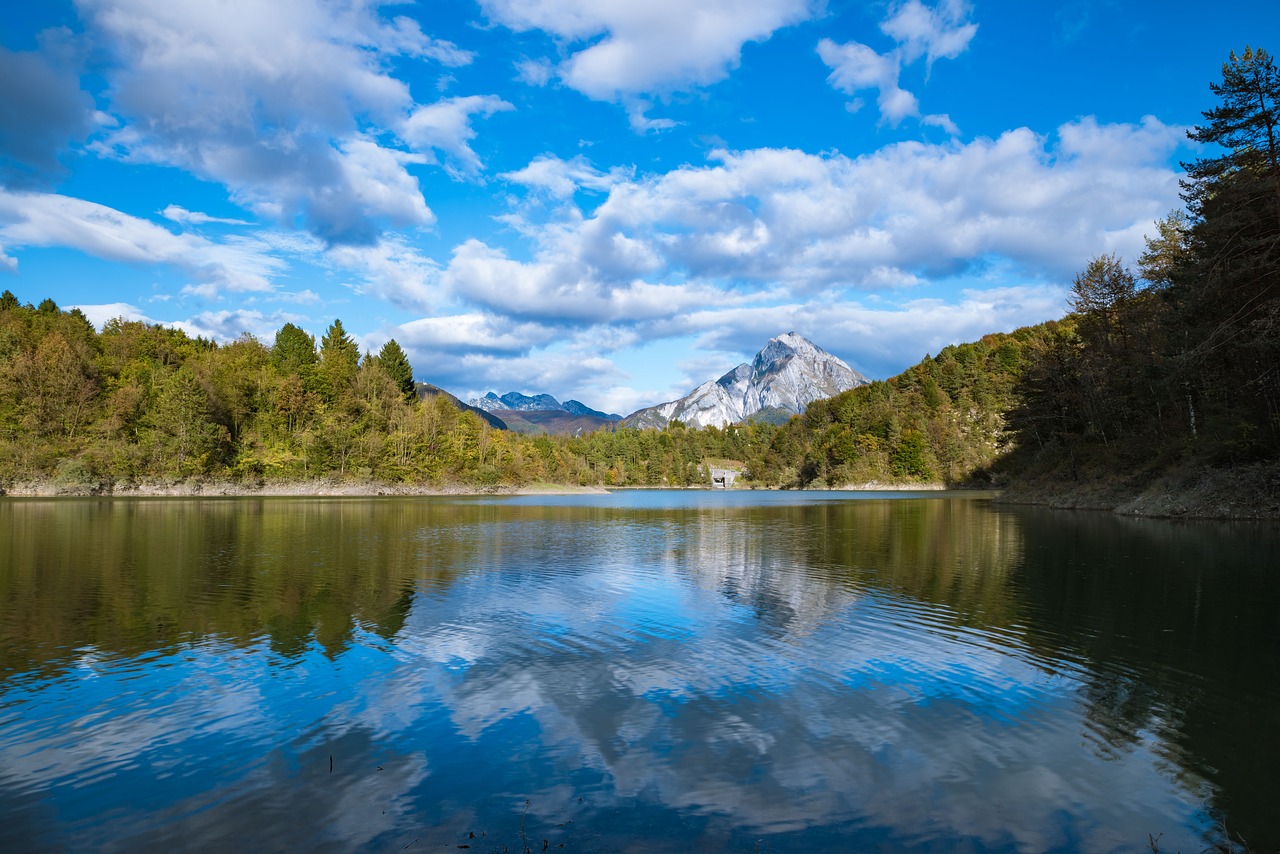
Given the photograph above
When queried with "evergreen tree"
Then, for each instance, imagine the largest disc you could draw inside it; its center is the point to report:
(1246, 124)
(396, 365)
(294, 352)
(339, 361)
(1227, 298)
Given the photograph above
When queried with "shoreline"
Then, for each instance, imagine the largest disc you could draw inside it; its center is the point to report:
(322, 488)
(1249, 494)
(330, 488)
(1245, 493)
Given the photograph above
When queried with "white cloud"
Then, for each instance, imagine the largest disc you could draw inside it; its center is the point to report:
(284, 103)
(632, 49)
(474, 332)
(758, 219)
(446, 125)
(563, 289)
(225, 325)
(390, 270)
(562, 178)
(535, 72)
(182, 216)
(937, 32)
(46, 219)
(101, 313)
(228, 325)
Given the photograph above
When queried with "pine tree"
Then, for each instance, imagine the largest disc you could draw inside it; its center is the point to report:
(1228, 301)
(294, 352)
(339, 361)
(395, 364)
(1246, 124)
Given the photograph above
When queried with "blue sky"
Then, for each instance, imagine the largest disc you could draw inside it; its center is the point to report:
(600, 199)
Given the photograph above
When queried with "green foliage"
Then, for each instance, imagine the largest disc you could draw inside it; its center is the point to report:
(395, 364)
(294, 352)
(339, 361)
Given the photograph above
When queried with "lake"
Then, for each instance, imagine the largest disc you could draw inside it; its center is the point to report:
(639, 671)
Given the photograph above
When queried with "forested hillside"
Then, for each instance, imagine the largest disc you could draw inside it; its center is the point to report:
(138, 402)
(942, 420)
(88, 411)
(1175, 369)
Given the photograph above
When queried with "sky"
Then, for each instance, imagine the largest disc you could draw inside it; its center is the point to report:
(606, 200)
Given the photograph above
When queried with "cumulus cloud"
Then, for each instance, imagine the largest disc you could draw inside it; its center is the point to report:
(929, 32)
(619, 50)
(446, 126)
(42, 110)
(768, 217)
(283, 103)
(560, 179)
(563, 289)
(47, 219)
(390, 270)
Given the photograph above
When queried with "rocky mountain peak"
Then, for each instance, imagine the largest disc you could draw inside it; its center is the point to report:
(788, 373)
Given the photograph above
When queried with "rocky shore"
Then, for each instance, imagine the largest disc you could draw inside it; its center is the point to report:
(1191, 492)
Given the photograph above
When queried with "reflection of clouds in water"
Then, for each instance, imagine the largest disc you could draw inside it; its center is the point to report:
(854, 708)
(138, 716)
(286, 804)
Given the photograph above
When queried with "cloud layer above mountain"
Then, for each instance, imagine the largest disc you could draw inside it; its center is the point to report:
(600, 200)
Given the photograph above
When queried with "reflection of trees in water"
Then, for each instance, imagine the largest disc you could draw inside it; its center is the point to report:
(129, 576)
(1177, 625)
(799, 566)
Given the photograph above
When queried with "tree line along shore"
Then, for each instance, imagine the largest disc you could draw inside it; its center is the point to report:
(1159, 394)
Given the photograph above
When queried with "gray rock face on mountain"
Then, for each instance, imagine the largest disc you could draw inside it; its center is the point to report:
(516, 402)
(789, 373)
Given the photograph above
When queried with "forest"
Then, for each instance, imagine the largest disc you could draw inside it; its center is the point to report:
(1173, 361)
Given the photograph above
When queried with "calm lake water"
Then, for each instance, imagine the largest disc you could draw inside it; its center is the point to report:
(642, 671)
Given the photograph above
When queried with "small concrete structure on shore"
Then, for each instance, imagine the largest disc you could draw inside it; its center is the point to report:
(724, 478)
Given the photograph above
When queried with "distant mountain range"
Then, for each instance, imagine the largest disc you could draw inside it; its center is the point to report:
(783, 378)
(542, 413)
(514, 401)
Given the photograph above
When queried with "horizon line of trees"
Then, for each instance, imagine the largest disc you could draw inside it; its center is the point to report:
(138, 401)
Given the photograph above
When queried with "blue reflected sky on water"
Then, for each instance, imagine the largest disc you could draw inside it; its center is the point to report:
(658, 678)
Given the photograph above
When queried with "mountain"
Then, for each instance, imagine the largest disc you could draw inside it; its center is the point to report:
(542, 413)
(574, 407)
(514, 401)
(789, 373)
(425, 390)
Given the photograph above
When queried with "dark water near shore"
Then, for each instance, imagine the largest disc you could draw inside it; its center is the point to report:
(644, 671)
